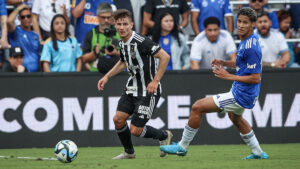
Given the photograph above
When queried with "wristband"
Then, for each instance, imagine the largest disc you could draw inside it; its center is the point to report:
(17, 9)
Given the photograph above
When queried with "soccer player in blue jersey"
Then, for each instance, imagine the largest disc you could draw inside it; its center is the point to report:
(243, 94)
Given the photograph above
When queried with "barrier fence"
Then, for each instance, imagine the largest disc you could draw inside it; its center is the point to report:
(39, 109)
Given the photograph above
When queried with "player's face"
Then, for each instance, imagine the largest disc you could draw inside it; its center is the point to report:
(284, 25)
(167, 23)
(59, 25)
(263, 25)
(25, 18)
(105, 19)
(256, 4)
(212, 32)
(245, 26)
(124, 27)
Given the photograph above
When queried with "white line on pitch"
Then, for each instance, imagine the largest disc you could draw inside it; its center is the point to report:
(30, 158)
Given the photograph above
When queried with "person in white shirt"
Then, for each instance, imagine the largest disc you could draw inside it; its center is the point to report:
(212, 43)
(43, 11)
(275, 51)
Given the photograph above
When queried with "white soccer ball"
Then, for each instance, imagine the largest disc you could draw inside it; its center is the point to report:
(66, 151)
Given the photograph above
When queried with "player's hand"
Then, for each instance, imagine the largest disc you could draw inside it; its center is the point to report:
(102, 82)
(152, 87)
(220, 72)
(20, 68)
(217, 62)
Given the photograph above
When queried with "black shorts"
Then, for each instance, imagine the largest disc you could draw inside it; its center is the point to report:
(141, 108)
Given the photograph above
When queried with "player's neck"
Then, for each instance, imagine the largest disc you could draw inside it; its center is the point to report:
(125, 39)
(243, 37)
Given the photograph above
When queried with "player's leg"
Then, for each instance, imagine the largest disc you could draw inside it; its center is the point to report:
(125, 106)
(200, 107)
(248, 136)
(143, 112)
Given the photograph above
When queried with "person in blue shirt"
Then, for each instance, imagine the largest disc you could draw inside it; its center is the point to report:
(61, 53)
(25, 37)
(172, 41)
(85, 12)
(203, 9)
(258, 6)
(3, 29)
(244, 92)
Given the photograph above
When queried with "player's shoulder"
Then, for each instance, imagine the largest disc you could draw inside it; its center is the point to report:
(140, 38)
(252, 42)
(224, 34)
(200, 37)
(276, 33)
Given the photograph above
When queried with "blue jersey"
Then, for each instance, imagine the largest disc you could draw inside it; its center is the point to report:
(211, 8)
(165, 43)
(64, 59)
(248, 61)
(3, 10)
(88, 20)
(29, 42)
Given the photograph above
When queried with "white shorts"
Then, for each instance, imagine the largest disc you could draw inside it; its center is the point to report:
(227, 103)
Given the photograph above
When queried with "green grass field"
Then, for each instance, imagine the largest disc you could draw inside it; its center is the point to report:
(282, 156)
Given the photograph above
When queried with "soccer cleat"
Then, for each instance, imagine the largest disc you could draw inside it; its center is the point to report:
(167, 141)
(173, 149)
(124, 155)
(263, 155)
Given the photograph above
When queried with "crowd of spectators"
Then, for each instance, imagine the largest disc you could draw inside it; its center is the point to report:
(79, 35)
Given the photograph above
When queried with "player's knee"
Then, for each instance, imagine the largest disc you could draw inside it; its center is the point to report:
(197, 107)
(135, 131)
(119, 122)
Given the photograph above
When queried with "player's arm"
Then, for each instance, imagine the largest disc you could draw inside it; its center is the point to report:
(195, 65)
(230, 25)
(194, 18)
(78, 10)
(229, 63)
(220, 72)
(163, 63)
(119, 67)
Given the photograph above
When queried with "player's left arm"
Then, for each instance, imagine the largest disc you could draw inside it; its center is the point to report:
(220, 72)
(163, 63)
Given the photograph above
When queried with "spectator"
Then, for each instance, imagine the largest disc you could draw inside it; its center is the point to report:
(137, 5)
(202, 9)
(272, 43)
(85, 11)
(101, 50)
(19, 2)
(258, 5)
(285, 18)
(25, 37)
(61, 53)
(15, 61)
(3, 40)
(43, 12)
(212, 43)
(173, 42)
(154, 8)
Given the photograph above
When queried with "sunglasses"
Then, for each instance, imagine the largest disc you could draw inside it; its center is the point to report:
(257, 0)
(53, 7)
(25, 16)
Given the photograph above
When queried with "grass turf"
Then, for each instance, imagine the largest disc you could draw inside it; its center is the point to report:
(203, 156)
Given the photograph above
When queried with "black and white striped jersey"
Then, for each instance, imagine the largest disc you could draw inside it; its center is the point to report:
(137, 53)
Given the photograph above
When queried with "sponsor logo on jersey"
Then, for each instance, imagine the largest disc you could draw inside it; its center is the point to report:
(88, 19)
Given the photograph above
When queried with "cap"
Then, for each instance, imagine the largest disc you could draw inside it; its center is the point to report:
(16, 51)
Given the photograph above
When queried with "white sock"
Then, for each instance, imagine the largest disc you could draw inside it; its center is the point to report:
(187, 136)
(251, 140)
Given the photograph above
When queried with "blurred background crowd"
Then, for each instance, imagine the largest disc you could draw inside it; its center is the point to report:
(78, 35)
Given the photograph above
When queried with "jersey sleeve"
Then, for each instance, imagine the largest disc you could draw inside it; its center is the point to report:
(3, 11)
(151, 48)
(196, 51)
(254, 61)
(36, 7)
(230, 45)
(149, 7)
(283, 46)
(227, 8)
(184, 7)
(195, 6)
(46, 52)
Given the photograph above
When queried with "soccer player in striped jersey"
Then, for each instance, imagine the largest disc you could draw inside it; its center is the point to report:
(139, 55)
(243, 94)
